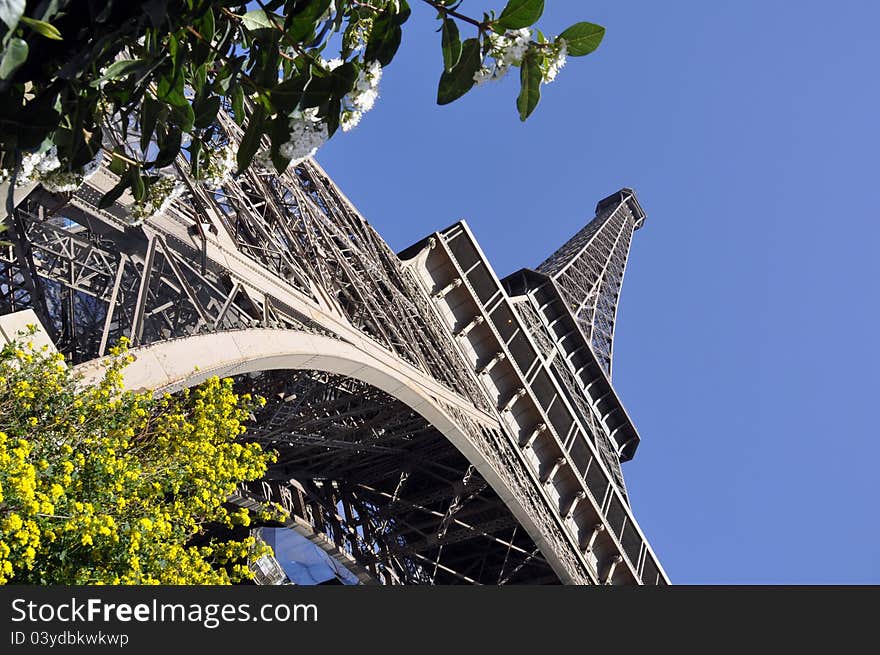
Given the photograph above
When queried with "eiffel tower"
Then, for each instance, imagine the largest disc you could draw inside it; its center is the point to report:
(435, 424)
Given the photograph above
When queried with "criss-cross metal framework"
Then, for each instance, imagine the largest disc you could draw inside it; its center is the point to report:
(589, 267)
(431, 428)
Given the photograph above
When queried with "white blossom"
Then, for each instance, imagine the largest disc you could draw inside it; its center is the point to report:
(160, 194)
(484, 74)
(362, 97)
(263, 160)
(350, 119)
(61, 181)
(219, 168)
(45, 167)
(366, 88)
(308, 132)
(509, 48)
(48, 161)
(557, 61)
(28, 164)
(332, 64)
(58, 179)
(506, 50)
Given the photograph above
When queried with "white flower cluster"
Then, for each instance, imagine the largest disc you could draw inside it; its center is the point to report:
(46, 168)
(263, 160)
(219, 168)
(308, 132)
(160, 194)
(506, 50)
(556, 60)
(362, 97)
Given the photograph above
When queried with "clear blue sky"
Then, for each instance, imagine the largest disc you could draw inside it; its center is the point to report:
(746, 349)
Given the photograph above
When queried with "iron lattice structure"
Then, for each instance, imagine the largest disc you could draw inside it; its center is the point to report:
(589, 268)
(434, 424)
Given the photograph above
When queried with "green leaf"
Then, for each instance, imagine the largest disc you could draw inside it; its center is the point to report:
(530, 86)
(238, 104)
(451, 44)
(117, 164)
(138, 188)
(206, 111)
(11, 12)
(458, 81)
(183, 116)
(149, 117)
(333, 113)
(520, 13)
(250, 142)
(173, 49)
(384, 40)
(170, 89)
(199, 78)
(88, 149)
(336, 84)
(113, 194)
(169, 146)
(582, 38)
(35, 121)
(303, 24)
(256, 20)
(279, 132)
(120, 69)
(14, 56)
(228, 74)
(385, 36)
(195, 157)
(42, 27)
(286, 96)
(208, 25)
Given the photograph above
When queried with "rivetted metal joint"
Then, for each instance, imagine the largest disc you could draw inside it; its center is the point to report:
(541, 427)
(447, 289)
(491, 363)
(617, 559)
(510, 401)
(558, 464)
(597, 530)
(577, 498)
(463, 332)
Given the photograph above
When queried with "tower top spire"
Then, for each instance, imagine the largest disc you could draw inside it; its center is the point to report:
(588, 269)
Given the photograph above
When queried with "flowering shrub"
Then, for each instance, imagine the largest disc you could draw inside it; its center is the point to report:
(104, 486)
(159, 72)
